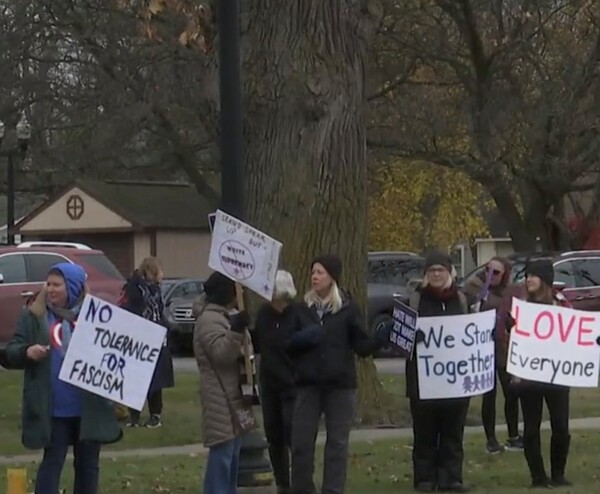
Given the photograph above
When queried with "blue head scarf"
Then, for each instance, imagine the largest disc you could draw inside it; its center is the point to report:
(74, 276)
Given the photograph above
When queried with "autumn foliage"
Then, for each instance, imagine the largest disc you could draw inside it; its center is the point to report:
(416, 205)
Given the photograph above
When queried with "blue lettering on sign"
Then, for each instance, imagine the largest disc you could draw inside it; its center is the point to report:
(97, 309)
(436, 337)
(476, 363)
(114, 363)
(476, 336)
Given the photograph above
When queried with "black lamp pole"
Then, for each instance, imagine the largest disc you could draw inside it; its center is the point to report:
(254, 469)
(232, 133)
(10, 199)
(23, 135)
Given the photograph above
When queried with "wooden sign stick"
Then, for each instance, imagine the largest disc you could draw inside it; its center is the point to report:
(239, 293)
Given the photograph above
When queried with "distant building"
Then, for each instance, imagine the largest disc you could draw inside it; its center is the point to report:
(129, 221)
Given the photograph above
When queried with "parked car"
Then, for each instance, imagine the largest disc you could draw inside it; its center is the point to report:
(390, 275)
(23, 270)
(179, 295)
(576, 274)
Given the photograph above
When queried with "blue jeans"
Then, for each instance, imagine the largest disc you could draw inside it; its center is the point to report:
(221, 472)
(65, 433)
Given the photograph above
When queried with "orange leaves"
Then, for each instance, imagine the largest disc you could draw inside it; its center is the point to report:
(419, 205)
(185, 21)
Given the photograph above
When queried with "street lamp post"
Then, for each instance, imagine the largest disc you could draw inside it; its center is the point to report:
(254, 468)
(23, 136)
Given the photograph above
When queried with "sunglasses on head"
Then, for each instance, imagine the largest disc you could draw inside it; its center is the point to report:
(497, 272)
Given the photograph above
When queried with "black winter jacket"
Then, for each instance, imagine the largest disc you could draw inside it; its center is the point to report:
(323, 350)
(272, 333)
(429, 306)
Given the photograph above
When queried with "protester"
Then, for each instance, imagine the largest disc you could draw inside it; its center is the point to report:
(273, 328)
(538, 284)
(323, 348)
(142, 296)
(489, 291)
(56, 415)
(217, 347)
(438, 425)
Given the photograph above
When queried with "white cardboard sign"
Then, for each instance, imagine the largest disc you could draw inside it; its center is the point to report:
(112, 353)
(555, 345)
(244, 254)
(456, 358)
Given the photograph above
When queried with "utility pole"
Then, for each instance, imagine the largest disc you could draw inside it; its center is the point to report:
(254, 468)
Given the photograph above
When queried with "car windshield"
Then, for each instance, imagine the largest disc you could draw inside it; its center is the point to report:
(102, 264)
(397, 272)
(166, 285)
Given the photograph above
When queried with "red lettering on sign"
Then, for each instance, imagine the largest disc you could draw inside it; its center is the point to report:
(536, 325)
(564, 335)
(583, 331)
(518, 330)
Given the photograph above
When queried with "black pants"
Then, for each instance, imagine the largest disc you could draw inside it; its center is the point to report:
(511, 407)
(338, 406)
(532, 402)
(278, 413)
(438, 427)
(155, 405)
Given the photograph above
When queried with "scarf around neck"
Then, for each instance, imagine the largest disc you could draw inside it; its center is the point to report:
(67, 319)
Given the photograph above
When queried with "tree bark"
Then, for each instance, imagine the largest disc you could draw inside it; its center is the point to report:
(306, 169)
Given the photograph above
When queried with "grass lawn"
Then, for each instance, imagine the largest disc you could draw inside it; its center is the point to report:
(181, 418)
(383, 467)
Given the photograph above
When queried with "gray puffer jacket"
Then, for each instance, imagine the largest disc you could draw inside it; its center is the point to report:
(217, 350)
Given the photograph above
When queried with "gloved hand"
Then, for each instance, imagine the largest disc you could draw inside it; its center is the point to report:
(419, 336)
(240, 321)
(308, 337)
(382, 336)
(509, 323)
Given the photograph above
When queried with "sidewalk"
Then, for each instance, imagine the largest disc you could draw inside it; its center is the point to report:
(357, 435)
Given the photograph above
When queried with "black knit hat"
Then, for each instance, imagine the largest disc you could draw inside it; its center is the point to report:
(437, 258)
(542, 268)
(219, 289)
(331, 263)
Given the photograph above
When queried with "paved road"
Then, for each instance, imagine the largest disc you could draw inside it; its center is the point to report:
(384, 366)
(357, 435)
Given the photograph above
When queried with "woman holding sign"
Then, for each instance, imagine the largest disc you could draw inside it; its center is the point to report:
(57, 415)
(539, 287)
(142, 296)
(330, 333)
(218, 339)
(438, 425)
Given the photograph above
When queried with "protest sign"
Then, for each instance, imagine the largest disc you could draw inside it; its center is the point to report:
(244, 254)
(404, 328)
(556, 345)
(112, 353)
(456, 358)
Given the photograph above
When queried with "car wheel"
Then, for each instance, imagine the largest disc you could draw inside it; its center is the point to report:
(380, 321)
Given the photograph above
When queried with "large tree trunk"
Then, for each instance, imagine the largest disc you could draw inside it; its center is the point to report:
(306, 170)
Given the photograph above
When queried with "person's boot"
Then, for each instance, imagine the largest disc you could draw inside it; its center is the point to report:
(541, 483)
(493, 447)
(535, 462)
(559, 451)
